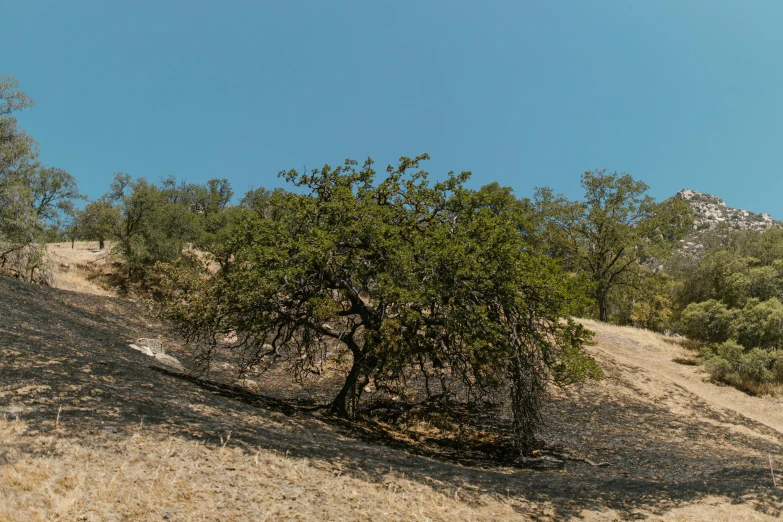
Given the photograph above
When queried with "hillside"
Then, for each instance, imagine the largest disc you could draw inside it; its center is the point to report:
(92, 430)
(710, 212)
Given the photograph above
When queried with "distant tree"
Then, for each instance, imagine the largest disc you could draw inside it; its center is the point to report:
(402, 275)
(206, 199)
(210, 202)
(33, 198)
(152, 227)
(20, 252)
(215, 196)
(12, 98)
(53, 192)
(98, 221)
(260, 201)
(18, 153)
(610, 234)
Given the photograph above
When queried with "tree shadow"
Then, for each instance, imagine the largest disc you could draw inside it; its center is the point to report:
(64, 350)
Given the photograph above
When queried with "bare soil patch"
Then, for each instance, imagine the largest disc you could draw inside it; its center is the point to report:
(80, 267)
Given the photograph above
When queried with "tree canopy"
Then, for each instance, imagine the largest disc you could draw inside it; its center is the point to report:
(612, 232)
(400, 276)
(35, 200)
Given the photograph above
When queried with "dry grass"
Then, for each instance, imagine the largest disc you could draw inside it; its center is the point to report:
(683, 351)
(629, 333)
(79, 268)
(151, 477)
(687, 361)
(679, 447)
(751, 387)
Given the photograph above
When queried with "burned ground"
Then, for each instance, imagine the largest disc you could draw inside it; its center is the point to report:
(667, 447)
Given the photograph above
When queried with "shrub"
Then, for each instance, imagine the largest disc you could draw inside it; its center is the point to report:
(730, 350)
(760, 324)
(718, 367)
(708, 321)
(754, 366)
(754, 371)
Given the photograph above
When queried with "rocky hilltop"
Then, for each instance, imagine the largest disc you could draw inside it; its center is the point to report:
(710, 212)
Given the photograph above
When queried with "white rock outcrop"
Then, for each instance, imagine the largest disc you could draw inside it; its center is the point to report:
(154, 348)
(169, 361)
(143, 349)
(710, 212)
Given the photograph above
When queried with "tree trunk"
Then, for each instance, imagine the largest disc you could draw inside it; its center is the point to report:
(528, 387)
(344, 405)
(100, 244)
(603, 308)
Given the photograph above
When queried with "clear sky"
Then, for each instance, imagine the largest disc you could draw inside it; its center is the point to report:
(678, 93)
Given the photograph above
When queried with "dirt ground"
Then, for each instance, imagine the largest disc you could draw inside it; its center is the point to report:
(92, 430)
(74, 266)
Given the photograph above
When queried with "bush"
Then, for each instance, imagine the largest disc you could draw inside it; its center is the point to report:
(718, 367)
(730, 350)
(754, 366)
(760, 324)
(708, 321)
(753, 371)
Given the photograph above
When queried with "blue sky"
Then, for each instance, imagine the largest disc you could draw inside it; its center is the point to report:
(682, 93)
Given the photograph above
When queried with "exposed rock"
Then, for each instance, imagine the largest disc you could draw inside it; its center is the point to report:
(155, 345)
(710, 212)
(169, 361)
(143, 349)
(248, 384)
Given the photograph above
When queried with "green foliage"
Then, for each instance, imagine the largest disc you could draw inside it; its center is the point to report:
(259, 200)
(98, 221)
(731, 295)
(650, 305)
(612, 232)
(720, 360)
(35, 201)
(153, 226)
(709, 321)
(760, 324)
(157, 223)
(755, 365)
(750, 370)
(730, 350)
(737, 265)
(54, 192)
(405, 276)
(17, 153)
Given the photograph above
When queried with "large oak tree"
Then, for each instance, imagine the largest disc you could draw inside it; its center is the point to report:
(399, 276)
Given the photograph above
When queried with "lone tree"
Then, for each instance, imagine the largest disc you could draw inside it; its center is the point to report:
(610, 234)
(400, 276)
(34, 199)
(53, 192)
(98, 221)
(18, 155)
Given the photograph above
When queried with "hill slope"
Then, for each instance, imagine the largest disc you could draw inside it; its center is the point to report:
(135, 441)
(710, 212)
